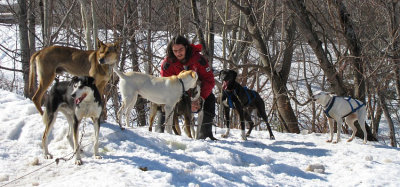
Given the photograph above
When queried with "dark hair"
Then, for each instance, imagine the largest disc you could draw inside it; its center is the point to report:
(179, 40)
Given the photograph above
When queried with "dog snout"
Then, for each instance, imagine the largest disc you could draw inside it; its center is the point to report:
(101, 60)
(73, 95)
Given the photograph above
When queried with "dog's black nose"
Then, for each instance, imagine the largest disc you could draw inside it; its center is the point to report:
(73, 95)
(101, 60)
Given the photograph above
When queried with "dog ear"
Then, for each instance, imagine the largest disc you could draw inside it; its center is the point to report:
(194, 74)
(99, 42)
(73, 80)
(234, 74)
(90, 80)
(117, 45)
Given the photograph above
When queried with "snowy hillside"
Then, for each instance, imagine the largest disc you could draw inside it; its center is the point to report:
(137, 157)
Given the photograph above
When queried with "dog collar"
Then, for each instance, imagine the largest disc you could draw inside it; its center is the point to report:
(183, 88)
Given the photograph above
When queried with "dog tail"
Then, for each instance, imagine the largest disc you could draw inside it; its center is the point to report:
(32, 71)
(119, 73)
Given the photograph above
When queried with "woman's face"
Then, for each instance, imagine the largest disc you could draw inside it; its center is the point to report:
(179, 51)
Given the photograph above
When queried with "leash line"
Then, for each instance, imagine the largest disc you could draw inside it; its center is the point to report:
(19, 178)
(56, 161)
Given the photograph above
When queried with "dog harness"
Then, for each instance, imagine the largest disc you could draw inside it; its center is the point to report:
(246, 90)
(348, 99)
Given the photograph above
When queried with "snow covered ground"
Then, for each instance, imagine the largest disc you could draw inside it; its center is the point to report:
(137, 157)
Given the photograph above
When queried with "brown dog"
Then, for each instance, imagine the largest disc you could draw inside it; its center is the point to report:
(57, 59)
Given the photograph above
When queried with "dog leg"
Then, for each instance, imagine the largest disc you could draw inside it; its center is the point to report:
(169, 112)
(339, 123)
(127, 114)
(78, 160)
(96, 125)
(227, 122)
(175, 126)
(129, 104)
(70, 120)
(362, 115)
(242, 124)
(192, 130)
(49, 121)
(349, 120)
(152, 115)
(250, 122)
(187, 125)
(331, 129)
(44, 83)
(244, 137)
(263, 115)
(120, 114)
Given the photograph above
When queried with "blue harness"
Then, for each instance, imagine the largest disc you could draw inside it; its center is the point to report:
(246, 90)
(348, 99)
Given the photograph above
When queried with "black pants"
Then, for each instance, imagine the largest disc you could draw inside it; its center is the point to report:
(205, 129)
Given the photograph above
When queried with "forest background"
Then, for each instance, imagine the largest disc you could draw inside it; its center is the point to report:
(285, 50)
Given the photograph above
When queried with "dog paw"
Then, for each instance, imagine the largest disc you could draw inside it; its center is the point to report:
(78, 162)
(349, 140)
(329, 141)
(48, 156)
(224, 136)
(97, 157)
(272, 138)
(244, 138)
(335, 142)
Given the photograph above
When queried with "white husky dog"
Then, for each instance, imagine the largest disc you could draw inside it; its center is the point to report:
(337, 108)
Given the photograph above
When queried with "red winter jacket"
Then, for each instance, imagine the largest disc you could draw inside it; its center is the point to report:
(197, 63)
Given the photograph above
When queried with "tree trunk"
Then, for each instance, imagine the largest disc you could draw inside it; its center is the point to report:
(394, 31)
(210, 31)
(199, 30)
(224, 37)
(140, 103)
(24, 43)
(45, 23)
(31, 34)
(304, 24)
(278, 79)
(85, 9)
(148, 68)
(386, 113)
(94, 21)
(355, 48)
(310, 93)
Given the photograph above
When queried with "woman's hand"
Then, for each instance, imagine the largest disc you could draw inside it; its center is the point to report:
(197, 105)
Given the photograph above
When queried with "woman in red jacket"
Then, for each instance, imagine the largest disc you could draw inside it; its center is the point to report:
(181, 55)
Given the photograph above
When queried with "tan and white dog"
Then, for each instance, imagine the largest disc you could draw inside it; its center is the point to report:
(182, 108)
(57, 59)
(165, 91)
(337, 108)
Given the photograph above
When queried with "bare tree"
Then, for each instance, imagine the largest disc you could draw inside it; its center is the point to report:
(306, 28)
(24, 42)
(278, 78)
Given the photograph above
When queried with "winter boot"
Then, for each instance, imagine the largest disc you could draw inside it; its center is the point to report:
(205, 129)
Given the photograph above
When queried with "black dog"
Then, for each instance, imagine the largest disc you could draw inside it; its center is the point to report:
(76, 99)
(243, 100)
